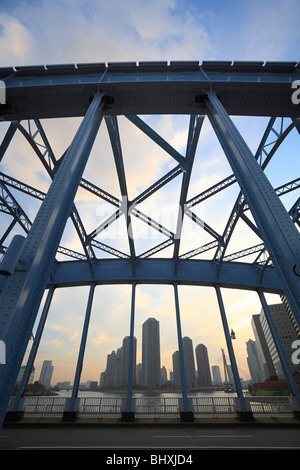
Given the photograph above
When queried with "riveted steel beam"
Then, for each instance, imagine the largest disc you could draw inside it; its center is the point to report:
(23, 290)
(277, 230)
(235, 275)
(60, 90)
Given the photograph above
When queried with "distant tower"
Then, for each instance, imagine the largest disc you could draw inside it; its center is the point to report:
(255, 366)
(151, 354)
(139, 375)
(204, 376)
(125, 361)
(46, 373)
(118, 367)
(21, 373)
(217, 380)
(189, 362)
(110, 369)
(164, 375)
(262, 347)
(176, 369)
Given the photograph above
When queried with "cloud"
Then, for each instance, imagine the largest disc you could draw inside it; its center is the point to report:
(103, 338)
(73, 352)
(270, 30)
(56, 343)
(76, 31)
(75, 335)
(72, 31)
(16, 42)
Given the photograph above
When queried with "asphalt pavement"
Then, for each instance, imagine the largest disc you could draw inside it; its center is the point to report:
(153, 438)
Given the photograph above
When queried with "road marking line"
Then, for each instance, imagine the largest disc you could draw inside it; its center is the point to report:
(217, 436)
(164, 448)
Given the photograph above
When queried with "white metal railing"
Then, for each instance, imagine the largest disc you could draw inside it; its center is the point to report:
(156, 406)
(43, 406)
(100, 405)
(270, 405)
(214, 405)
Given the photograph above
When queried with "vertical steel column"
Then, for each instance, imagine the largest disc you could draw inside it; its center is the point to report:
(285, 365)
(276, 227)
(130, 362)
(82, 348)
(23, 291)
(181, 356)
(230, 350)
(34, 349)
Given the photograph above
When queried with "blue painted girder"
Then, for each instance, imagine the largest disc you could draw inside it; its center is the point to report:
(161, 271)
(64, 90)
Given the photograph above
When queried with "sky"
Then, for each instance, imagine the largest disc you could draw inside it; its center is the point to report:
(75, 31)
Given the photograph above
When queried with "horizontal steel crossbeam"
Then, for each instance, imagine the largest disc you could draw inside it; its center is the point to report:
(245, 88)
(161, 271)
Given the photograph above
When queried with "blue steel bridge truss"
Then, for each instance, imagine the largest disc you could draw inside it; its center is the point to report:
(98, 92)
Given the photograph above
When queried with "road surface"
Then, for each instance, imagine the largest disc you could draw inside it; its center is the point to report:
(150, 438)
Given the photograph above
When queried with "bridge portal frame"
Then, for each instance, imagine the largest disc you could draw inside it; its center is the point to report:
(214, 89)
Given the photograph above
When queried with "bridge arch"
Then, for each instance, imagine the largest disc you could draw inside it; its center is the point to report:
(137, 90)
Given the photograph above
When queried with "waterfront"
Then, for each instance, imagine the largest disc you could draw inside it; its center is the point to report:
(111, 406)
(143, 394)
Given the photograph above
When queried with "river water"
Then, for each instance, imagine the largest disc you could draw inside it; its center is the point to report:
(175, 394)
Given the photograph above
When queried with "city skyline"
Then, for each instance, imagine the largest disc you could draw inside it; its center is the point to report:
(196, 358)
(193, 378)
(108, 377)
(103, 343)
(190, 358)
(198, 369)
(113, 375)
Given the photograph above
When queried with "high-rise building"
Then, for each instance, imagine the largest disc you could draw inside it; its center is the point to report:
(139, 375)
(102, 379)
(21, 373)
(270, 342)
(118, 368)
(46, 373)
(164, 375)
(262, 347)
(125, 361)
(216, 373)
(176, 369)
(151, 354)
(255, 366)
(228, 375)
(204, 375)
(286, 334)
(291, 316)
(110, 369)
(189, 362)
